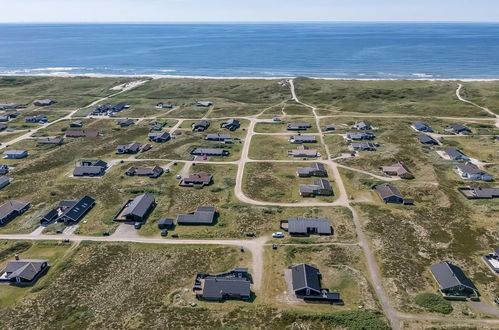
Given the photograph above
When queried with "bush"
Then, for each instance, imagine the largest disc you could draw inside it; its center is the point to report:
(433, 303)
(16, 248)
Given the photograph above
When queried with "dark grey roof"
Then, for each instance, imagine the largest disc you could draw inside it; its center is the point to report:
(12, 206)
(100, 163)
(201, 123)
(17, 152)
(217, 136)
(459, 127)
(209, 151)
(364, 146)
(79, 208)
(204, 215)
(4, 180)
(301, 225)
(233, 122)
(165, 222)
(470, 169)
(52, 215)
(307, 188)
(159, 136)
(362, 125)
(449, 276)
(87, 170)
(216, 288)
(323, 184)
(480, 193)
(426, 139)
(360, 136)
(299, 125)
(421, 126)
(26, 269)
(140, 205)
(313, 167)
(453, 153)
(303, 138)
(305, 276)
(386, 190)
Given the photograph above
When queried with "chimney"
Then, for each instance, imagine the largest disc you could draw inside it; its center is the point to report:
(17, 257)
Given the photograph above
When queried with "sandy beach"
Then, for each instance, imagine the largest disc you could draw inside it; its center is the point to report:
(156, 76)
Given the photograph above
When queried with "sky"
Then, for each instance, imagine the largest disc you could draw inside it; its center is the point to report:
(21, 11)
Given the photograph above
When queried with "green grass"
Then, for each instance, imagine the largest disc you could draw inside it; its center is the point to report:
(442, 224)
(342, 269)
(270, 147)
(215, 128)
(433, 303)
(278, 182)
(483, 93)
(483, 148)
(83, 293)
(230, 97)
(54, 252)
(281, 127)
(184, 143)
(422, 98)
(69, 94)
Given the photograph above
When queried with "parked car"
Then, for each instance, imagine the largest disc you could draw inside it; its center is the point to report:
(58, 231)
(175, 236)
(65, 240)
(278, 235)
(106, 233)
(164, 232)
(138, 225)
(274, 247)
(241, 249)
(250, 234)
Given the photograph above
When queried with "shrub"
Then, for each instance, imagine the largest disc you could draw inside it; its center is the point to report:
(16, 248)
(433, 303)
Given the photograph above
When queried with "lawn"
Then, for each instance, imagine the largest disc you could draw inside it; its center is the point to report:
(483, 148)
(272, 147)
(183, 144)
(342, 269)
(281, 127)
(278, 182)
(336, 145)
(54, 252)
(215, 128)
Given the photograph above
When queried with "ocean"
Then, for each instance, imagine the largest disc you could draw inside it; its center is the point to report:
(326, 50)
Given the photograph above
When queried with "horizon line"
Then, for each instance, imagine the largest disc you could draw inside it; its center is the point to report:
(253, 22)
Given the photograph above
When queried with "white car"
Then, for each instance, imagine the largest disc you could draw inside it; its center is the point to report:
(278, 235)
